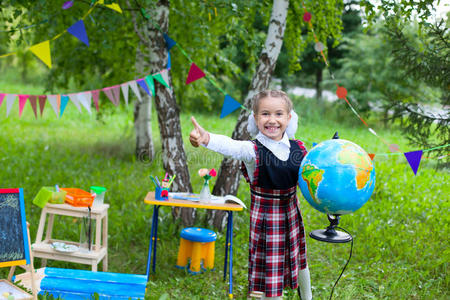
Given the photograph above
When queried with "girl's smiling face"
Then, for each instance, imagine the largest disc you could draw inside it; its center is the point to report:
(272, 117)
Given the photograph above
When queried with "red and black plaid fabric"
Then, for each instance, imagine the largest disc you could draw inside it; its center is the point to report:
(277, 246)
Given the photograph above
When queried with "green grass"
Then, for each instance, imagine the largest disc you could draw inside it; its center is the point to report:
(401, 247)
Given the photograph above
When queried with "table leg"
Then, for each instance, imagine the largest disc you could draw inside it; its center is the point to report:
(153, 231)
(226, 248)
(155, 237)
(230, 224)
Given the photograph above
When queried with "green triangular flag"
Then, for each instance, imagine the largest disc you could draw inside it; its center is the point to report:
(161, 80)
(150, 83)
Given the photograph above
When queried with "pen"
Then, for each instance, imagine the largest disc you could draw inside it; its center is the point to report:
(157, 180)
(171, 179)
(153, 179)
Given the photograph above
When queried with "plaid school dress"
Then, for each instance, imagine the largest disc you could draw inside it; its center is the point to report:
(277, 245)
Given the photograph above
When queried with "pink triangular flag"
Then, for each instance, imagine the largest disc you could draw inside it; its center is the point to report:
(85, 100)
(22, 101)
(32, 101)
(2, 95)
(135, 89)
(113, 94)
(53, 99)
(95, 95)
(75, 101)
(194, 74)
(165, 75)
(124, 88)
(42, 99)
(413, 159)
(10, 98)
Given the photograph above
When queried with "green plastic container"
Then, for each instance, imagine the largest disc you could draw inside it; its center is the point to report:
(49, 194)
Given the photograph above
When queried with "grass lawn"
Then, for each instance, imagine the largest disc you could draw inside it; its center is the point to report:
(401, 245)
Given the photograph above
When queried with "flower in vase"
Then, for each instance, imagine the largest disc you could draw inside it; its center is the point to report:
(207, 174)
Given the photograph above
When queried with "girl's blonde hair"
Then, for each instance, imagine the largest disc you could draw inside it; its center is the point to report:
(273, 94)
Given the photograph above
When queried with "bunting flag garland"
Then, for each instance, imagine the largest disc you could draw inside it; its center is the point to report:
(55, 103)
(42, 99)
(195, 73)
(64, 101)
(413, 159)
(124, 88)
(143, 85)
(229, 105)
(22, 102)
(32, 100)
(95, 95)
(134, 88)
(42, 51)
(2, 96)
(150, 84)
(10, 98)
(79, 31)
(169, 42)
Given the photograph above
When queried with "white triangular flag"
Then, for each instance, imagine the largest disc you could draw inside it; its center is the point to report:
(135, 89)
(85, 100)
(75, 101)
(165, 75)
(124, 88)
(10, 98)
(53, 99)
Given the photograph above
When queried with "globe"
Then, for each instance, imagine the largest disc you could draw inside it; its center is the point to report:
(337, 177)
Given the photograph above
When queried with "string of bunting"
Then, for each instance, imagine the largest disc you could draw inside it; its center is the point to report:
(413, 157)
(42, 50)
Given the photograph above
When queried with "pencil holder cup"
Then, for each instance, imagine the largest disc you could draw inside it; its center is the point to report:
(161, 194)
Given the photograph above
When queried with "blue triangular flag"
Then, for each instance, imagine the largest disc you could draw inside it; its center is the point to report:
(168, 60)
(78, 31)
(314, 144)
(169, 42)
(64, 101)
(143, 85)
(229, 105)
(413, 159)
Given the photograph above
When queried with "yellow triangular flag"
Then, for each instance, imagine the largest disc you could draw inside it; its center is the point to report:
(42, 51)
(114, 6)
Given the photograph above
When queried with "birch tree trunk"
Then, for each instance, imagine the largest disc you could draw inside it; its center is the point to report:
(154, 58)
(229, 175)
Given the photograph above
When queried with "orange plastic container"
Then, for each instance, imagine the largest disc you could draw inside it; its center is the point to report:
(78, 197)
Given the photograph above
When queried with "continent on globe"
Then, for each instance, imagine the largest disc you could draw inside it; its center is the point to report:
(363, 167)
(312, 176)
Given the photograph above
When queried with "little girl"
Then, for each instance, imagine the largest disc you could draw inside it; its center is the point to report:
(277, 247)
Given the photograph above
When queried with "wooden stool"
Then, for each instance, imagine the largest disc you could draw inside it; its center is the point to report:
(196, 244)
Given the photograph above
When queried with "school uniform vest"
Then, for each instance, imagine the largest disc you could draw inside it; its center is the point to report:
(277, 245)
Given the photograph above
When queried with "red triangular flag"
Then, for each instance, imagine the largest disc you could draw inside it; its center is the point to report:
(22, 101)
(42, 99)
(95, 95)
(413, 159)
(371, 155)
(32, 101)
(194, 74)
(2, 95)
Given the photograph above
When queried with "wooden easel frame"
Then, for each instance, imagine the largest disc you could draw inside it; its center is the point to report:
(29, 268)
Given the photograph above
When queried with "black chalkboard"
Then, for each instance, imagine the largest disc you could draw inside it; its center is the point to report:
(13, 231)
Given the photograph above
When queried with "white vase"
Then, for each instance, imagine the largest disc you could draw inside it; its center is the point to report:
(205, 194)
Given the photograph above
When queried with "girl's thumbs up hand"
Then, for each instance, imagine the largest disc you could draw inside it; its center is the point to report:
(198, 135)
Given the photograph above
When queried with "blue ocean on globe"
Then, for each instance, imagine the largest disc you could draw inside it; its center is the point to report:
(337, 177)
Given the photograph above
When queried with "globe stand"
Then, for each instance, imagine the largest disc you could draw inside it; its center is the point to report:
(330, 235)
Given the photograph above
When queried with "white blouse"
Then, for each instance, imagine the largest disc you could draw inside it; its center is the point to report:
(245, 151)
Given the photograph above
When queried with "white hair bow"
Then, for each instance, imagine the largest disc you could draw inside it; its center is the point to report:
(290, 130)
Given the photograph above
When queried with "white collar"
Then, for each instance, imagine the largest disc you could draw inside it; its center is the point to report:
(269, 143)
